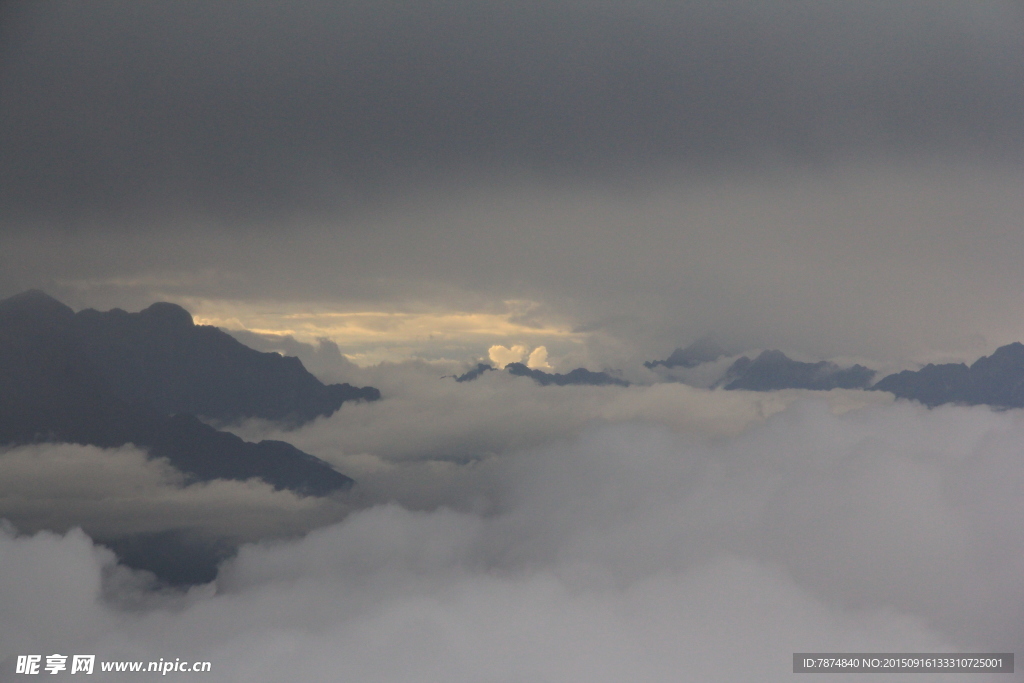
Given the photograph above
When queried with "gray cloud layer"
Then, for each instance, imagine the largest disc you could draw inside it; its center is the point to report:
(832, 178)
(118, 492)
(878, 261)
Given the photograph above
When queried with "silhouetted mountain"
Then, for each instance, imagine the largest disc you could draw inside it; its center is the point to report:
(774, 370)
(480, 369)
(108, 379)
(577, 376)
(700, 351)
(996, 380)
(159, 357)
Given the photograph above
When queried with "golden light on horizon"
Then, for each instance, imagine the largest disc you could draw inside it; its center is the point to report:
(357, 332)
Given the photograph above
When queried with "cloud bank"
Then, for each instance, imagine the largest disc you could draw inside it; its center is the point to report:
(627, 552)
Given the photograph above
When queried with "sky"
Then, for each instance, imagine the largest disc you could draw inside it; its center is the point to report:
(607, 180)
(394, 191)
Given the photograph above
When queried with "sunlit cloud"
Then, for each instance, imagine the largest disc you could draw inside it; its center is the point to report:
(502, 356)
(538, 359)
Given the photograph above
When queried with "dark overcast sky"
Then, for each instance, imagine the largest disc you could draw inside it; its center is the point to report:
(384, 150)
(240, 106)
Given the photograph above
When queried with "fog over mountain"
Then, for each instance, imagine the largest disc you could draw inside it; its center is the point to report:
(124, 382)
(701, 351)
(250, 217)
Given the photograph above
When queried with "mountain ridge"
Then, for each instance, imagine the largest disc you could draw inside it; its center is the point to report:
(579, 376)
(996, 380)
(773, 370)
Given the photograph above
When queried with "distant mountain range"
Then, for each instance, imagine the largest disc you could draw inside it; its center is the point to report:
(577, 376)
(107, 379)
(770, 371)
(773, 370)
(996, 380)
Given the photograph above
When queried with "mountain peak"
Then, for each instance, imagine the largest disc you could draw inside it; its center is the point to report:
(704, 350)
(168, 313)
(31, 313)
(35, 302)
(1012, 350)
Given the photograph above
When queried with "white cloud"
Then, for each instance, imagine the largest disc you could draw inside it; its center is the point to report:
(423, 417)
(502, 355)
(630, 552)
(538, 359)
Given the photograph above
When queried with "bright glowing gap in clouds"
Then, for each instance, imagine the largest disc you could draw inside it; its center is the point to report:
(369, 336)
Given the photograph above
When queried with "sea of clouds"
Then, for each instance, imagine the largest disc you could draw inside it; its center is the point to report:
(508, 532)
